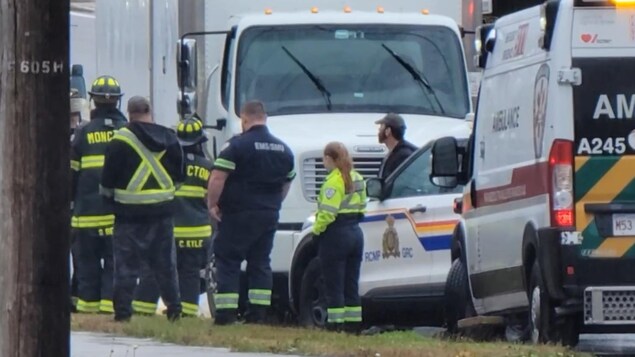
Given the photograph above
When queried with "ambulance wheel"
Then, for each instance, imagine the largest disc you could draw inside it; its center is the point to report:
(458, 300)
(312, 309)
(541, 310)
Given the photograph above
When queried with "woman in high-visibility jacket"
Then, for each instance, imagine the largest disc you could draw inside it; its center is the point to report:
(341, 206)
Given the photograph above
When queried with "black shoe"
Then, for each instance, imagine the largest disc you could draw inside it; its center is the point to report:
(353, 328)
(119, 318)
(173, 315)
(334, 327)
(223, 320)
(256, 315)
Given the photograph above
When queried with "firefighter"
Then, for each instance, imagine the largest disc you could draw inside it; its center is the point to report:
(341, 206)
(192, 226)
(93, 218)
(250, 179)
(142, 170)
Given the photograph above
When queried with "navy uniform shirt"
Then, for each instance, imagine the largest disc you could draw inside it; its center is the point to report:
(259, 164)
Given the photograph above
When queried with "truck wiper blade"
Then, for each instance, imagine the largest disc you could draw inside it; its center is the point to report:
(312, 77)
(419, 77)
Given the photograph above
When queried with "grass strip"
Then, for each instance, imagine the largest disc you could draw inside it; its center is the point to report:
(308, 342)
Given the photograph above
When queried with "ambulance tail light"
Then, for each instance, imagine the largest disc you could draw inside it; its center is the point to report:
(561, 185)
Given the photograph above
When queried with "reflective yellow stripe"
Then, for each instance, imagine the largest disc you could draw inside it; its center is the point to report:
(92, 161)
(226, 164)
(226, 301)
(193, 232)
(260, 297)
(336, 315)
(106, 306)
(143, 197)
(150, 166)
(75, 165)
(93, 221)
(87, 306)
(191, 191)
(144, 307)
(353, 314)
(189, 309)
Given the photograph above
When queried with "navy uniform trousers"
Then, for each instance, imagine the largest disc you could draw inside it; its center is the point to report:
(190, 261)
(340, 249)
(246, 235)
(151, 242)
(93, 255)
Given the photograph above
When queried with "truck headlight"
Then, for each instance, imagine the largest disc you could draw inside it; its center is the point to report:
(308, 222)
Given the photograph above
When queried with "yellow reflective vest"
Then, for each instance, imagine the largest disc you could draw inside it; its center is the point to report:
(334, 200)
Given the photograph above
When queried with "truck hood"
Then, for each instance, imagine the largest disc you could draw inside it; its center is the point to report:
(308, 132)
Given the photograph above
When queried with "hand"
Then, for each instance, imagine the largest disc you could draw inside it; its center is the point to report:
(215, 213)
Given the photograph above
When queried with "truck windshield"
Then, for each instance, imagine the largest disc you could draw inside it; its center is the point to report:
(347, 68)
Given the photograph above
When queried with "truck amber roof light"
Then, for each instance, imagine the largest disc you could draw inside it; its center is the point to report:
(268, 11)
(624, 3)
(347, 9)
(314, 10)
(380, 9)
(425, 12)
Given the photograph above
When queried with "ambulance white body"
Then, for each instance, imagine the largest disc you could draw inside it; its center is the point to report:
(547, 230)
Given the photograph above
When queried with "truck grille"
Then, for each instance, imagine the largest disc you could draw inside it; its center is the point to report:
(609, 305)
(313, 173)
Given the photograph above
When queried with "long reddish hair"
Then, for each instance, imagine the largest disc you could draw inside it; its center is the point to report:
(338, 152)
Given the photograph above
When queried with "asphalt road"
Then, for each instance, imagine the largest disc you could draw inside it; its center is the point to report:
(602, 345)
(84, 344)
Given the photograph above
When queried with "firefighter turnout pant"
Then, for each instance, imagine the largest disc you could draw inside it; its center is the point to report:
(246, 235)
(93, 253)
(146, 241)
(340, 249)
(190, 261)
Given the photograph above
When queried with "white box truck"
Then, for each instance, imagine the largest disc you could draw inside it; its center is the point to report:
(326, 70)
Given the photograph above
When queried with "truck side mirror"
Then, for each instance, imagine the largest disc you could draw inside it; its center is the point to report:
(445, 163)
(484, 44)
(186, 104)
(375, 188)
(186, 65)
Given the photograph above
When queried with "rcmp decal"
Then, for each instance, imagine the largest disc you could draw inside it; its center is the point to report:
(390, 241)
(541, 93)
(432, 236)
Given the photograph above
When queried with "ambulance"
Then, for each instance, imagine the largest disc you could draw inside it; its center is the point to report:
(546, 239)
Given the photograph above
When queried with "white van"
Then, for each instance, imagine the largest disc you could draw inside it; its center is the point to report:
(547, 235)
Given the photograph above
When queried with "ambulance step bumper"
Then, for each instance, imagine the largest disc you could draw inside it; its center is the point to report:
(609, 305)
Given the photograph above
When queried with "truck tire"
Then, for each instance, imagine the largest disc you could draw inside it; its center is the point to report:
(312, 309)
(541, 310)
(458, 300)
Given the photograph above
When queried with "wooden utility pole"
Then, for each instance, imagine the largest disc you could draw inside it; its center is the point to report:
(34, 176)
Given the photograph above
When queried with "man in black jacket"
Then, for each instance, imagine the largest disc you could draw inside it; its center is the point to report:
(143, 168)
(391, 133)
